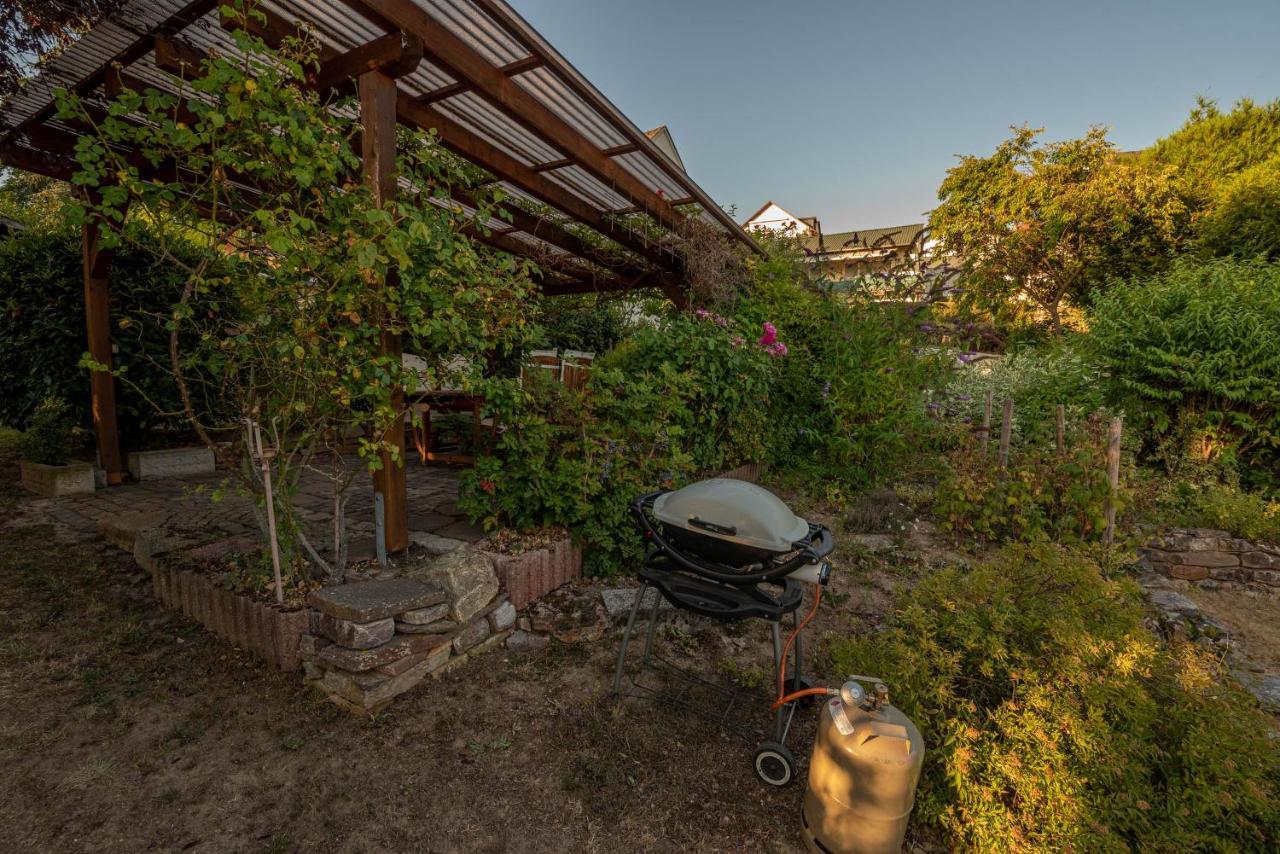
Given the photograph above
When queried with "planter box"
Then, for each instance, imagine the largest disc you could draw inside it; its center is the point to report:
(267, 631)
(53, 481)
(176, 462)
(528, 576)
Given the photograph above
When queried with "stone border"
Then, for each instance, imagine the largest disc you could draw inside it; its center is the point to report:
(171, 462)
(1205, 554)
(530, 576)
(56, 481)
(267, 631)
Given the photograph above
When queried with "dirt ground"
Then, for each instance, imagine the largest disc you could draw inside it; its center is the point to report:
(1253, 620)
(124, 727)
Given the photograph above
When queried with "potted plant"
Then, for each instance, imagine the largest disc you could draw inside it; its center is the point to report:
(46, 453)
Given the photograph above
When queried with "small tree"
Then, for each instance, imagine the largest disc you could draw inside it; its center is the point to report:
(1053, 222)
(292, 272)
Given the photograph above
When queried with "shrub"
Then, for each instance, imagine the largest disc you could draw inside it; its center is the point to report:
(1037, 379)
(42, 329)
(1226, 508)
(848, 405)
(1042, 495)
(1054, 720)
(1195, 357)
(47, 439)
(1244, 222)
(673, 401)
(10, 444)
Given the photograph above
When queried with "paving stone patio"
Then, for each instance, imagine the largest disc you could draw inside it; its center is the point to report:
(188, 504)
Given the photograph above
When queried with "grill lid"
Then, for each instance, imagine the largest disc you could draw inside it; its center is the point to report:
(732, 510)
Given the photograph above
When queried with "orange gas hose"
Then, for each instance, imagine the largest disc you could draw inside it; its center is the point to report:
(782, 664)
(796, 695)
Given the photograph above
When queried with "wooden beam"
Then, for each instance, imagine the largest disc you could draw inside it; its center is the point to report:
(511, 69)
(395, 55)
(48, 164)
(142, 45)
(178, 57)
(102, 388)
(378, 147)
(410, 111)
(467, 64)
(478, 151)
(688, 200)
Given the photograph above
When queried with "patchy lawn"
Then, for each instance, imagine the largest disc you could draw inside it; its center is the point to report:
(126, 727)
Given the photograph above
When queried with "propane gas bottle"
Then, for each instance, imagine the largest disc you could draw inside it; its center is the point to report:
(863, 774)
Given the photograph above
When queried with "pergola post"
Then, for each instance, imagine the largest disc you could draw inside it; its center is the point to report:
(102, 389)
(378, 147)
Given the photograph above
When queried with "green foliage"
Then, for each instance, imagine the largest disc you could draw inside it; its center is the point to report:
(1195, 357)
(42, 328)
(1213, 147)
(795, 378)
(848, 402)
(1042, 495)
(589, 323)
(298, 271)
(672, 401)
(1055, 221)
(1054, 721)
(10, 445)
(1244, 221)
(47, 439)
(1223, 507)
(1036, 379)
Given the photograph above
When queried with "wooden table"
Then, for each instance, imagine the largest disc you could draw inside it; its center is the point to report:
(443, 400)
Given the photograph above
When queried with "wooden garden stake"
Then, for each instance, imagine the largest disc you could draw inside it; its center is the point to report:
(264, 459)
(1113, 478)
(985, 433)
(1062, 428)
(1006, 429)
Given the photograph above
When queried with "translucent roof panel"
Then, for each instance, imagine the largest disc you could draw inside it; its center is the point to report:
(566, 142)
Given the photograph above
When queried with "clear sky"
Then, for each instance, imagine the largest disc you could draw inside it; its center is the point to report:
(853, 111)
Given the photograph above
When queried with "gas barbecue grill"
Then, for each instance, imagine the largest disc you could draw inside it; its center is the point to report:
(729, 550)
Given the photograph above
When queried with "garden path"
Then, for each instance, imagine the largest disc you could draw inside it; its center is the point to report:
(190, 504)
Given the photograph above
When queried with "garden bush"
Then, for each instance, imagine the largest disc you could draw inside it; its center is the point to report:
(1037, 379)
(794, 378)
(42, 329)
(684, 398)
(1224, 507)
(1194, 354)
(47, 439)
(1055, 721)
(1043, 494)
(848, 404)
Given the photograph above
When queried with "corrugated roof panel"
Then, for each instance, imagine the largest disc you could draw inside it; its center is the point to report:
(543, 85)
(477, 29)
(490, 27)
(481, 117)
(580, 181)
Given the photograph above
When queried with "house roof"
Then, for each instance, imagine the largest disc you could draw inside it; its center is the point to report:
(492, 88)
(891, 237)
(661, 137)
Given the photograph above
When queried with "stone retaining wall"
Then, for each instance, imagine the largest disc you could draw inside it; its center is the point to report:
(371, 641)
(1199, 554)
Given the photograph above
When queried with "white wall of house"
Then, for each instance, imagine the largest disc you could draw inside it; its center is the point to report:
(775, 218)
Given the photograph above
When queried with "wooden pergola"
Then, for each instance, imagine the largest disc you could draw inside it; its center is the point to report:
(494, 91)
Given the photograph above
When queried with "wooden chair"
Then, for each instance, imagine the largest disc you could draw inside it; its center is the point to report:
(575, 367)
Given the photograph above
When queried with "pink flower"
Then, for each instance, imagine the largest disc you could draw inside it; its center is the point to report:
(738, 341)
(776, 349)
(770, 335)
